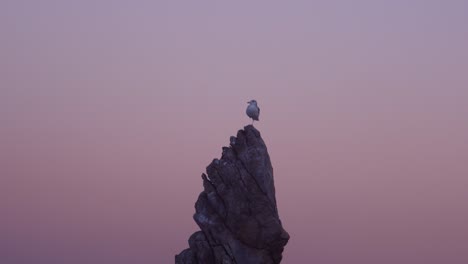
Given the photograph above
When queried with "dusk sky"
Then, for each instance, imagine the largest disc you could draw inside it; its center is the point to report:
(111, 110)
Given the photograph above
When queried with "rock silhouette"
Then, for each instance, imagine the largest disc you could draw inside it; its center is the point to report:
(237, 211)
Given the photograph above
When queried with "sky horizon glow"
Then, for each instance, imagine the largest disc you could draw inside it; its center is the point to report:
(111, 110)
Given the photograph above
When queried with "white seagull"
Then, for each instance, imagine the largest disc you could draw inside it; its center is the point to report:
(253, 111)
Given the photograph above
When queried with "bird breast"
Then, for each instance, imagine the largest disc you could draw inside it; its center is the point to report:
(252, 111)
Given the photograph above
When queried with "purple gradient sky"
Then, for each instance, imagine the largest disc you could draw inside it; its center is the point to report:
(110, 111)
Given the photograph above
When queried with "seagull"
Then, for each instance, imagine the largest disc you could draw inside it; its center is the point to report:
(253, 111)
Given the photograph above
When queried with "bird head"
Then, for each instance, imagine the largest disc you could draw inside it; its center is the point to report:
(252, 102)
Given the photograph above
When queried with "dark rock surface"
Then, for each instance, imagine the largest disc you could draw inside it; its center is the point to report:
(237, 211)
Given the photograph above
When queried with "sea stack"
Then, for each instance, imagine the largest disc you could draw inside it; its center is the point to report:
(237, 211)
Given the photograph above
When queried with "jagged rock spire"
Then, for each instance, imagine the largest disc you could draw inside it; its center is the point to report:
(237, 211)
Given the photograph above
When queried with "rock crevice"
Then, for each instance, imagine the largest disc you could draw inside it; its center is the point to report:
(237, 211)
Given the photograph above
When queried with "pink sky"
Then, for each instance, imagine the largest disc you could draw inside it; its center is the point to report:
(110, 111)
